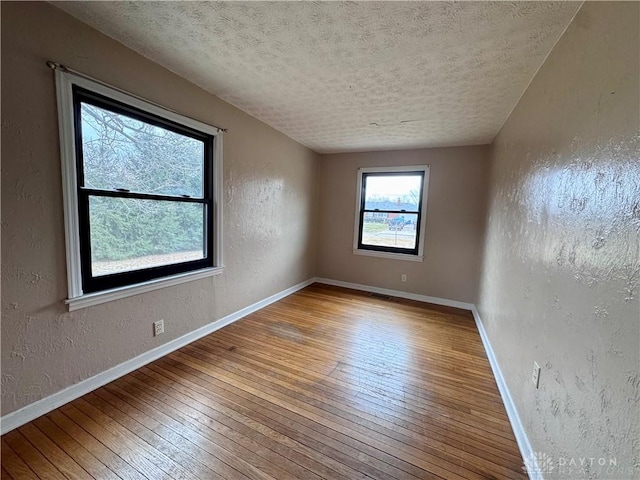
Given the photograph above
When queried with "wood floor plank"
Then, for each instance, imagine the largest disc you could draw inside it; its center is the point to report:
(186, 458)
(299, 356)
(32, 457)
(111, 459)
(299, 427)
(430, 446)
(373, 436)
(424, 382)
(221, 468)
(125, 400)
(128, 446)
(412, 416)
(285, 374)
(324, 471)
(327, 383)
(429, 375)
(63, 462)
(226, 444)
(238, 417)
(75, 450)
(375, 413)
(414, 377)
(14, 465)
(264, 424)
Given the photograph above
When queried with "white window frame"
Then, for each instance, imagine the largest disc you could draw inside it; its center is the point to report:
(423, 220)
(77, 299)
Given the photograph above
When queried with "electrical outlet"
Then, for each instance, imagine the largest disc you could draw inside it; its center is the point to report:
(535, 378)
(403, 278)
(158, 328)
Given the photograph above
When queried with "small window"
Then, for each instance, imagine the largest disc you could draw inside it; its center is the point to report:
(141, 189)
(390, 215)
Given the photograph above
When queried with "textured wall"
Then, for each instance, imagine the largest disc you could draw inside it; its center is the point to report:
(455, 222)
(561, 276)
(269, 200)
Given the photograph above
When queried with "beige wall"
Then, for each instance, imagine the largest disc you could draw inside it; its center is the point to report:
(453, 235)
(269, 200)
(560, 281)
(561, 277)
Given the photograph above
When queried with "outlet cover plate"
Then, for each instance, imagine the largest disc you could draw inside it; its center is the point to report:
(158, 328)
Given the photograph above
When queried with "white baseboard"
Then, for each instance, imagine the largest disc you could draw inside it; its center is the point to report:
(516, 424)
(45, 405)
(397, 293)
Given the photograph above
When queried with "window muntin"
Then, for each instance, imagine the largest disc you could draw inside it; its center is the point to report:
(144, 194)
(390, 211)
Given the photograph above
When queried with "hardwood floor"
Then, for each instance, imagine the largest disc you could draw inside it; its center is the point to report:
(326, 383)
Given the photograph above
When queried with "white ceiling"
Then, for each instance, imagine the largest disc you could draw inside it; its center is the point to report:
(349, 76)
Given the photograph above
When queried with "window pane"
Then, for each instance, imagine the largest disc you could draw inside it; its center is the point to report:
(389, 229)
(131, 234)
(121, 152)
(392, 192)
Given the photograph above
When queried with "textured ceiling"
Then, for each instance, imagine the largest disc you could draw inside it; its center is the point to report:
(349, 76)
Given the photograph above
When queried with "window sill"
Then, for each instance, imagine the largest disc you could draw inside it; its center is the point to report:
(91, 299)
(391, 255)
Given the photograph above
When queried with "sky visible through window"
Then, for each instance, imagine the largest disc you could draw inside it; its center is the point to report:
(403, 189)
(392, 185)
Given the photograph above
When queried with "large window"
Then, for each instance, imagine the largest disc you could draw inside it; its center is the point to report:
(141, 190)
(390, 214)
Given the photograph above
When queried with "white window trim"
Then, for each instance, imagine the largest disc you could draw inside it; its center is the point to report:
(91, 299)
(77, 298)
(423, 219)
